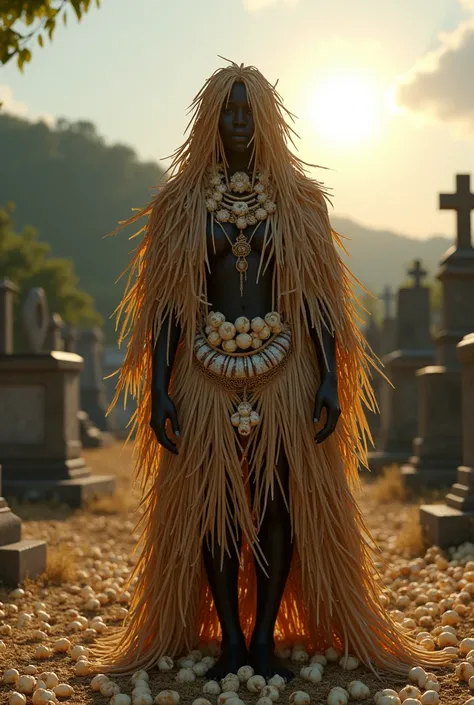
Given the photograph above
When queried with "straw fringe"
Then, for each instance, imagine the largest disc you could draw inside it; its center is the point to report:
(331, 596)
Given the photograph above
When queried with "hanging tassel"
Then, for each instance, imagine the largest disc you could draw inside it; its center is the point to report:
(245, 418)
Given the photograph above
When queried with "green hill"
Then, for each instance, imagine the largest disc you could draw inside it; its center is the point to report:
(74, 188)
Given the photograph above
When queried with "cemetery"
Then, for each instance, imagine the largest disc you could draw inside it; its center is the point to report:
(69, 509)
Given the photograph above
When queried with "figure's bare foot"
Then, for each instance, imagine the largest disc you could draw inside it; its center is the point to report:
(233, 656)
(264, 662)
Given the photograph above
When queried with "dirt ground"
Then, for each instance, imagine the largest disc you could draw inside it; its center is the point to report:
(102, 532)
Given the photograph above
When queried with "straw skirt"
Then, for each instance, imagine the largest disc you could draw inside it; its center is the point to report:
(331, 596)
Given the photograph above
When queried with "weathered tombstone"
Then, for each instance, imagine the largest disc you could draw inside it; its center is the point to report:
(18, 558)
(40, 449)
(437, 449)
(7, 291)
(372, 335)
(414, 349)
(91, 436)
(387, 334)
(70, 338)
(452, 523)
(54, 337)
(113, 358)
(93, 396)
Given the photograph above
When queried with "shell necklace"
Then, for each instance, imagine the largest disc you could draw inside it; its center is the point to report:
(251, 208)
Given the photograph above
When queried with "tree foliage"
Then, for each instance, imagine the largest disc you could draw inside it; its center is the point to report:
(75, 189)
(24, 22)
(28, 263)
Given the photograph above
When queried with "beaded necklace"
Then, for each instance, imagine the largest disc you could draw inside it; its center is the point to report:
(251, 208)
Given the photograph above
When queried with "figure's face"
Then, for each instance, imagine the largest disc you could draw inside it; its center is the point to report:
(236, 121)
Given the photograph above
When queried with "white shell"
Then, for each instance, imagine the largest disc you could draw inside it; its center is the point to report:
(235, 419)
(227, 330)
(254, 418)
(257, 324)
(272, 319)
(259, 364)
(244, 341)
(256, 342)
(167, 697)
(208, 329)
(214, 338)
(217, 363)
(244, 428)
(229, 346)
(264, 333)
(215, 318)
(272, 355)
(244, 408)
(242, 324)
(240, 367)
(230, 682)
(256, 683)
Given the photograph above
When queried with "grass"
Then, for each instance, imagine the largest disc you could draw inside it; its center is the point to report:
(60, 568)
(388, 487)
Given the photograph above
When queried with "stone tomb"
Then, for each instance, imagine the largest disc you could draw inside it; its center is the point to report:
(452, 523)
(40, 448)
(437, 449)
(112, 360)
(388, 331)
(19, 558)
(372, 335)
(413, 349)
(93, 392)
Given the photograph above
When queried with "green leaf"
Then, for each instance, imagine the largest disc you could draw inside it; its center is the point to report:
(40, 40)
(65, 18)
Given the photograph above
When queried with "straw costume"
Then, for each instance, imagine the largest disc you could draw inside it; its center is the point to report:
(331, 596)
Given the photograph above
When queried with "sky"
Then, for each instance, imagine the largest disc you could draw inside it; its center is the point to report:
(383, 91)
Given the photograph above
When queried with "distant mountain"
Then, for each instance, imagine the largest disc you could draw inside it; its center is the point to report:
(74, 188)
(380, 257)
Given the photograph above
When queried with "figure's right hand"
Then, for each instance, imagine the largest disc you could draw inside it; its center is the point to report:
(162, 409)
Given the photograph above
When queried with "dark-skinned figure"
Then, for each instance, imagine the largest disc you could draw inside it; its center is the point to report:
(251, 377)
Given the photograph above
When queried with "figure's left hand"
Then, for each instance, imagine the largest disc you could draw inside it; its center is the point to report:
(327, 398)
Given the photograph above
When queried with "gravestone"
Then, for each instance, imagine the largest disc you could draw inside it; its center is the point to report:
(437, 449)
(70, 338)
(452, 522)
(40, 449)
(19, 558)
(93, 395)
(90, 435)
(414, 349)
(112, 360)
(388, 331)
(54, 336)
(372, 335)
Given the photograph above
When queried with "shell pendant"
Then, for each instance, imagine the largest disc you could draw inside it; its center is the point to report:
(241, 249)
(245, 418)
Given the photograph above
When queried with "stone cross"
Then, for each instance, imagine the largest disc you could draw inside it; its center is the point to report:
(418, 273)
(462, 201)
(386, 297)
(7, 290)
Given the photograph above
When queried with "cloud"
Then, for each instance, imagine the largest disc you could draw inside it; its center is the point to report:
(15, 107)
(439, 85)
(255, 5)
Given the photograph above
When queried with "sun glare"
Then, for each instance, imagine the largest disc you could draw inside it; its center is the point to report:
(344, 109)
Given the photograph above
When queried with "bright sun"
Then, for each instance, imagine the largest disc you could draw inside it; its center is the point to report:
(344, 109)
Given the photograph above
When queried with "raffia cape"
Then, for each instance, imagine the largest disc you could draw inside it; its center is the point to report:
(332, 595)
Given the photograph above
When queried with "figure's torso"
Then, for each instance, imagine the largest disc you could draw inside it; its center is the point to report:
(223, 281)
